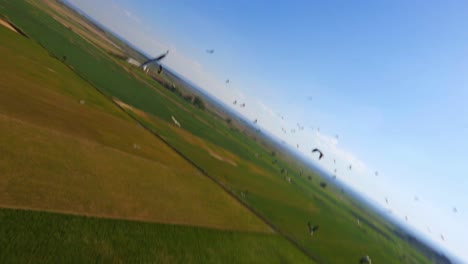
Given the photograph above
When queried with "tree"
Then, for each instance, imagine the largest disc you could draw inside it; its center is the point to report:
(198, 102)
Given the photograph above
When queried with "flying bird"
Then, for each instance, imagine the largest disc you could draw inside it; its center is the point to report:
(227, 81)
(175, 121)
(455, 210)
(376, 173)
(145, 64)
(320, 153)
(210, 51)
(350, 167)
(255, 121)
(442, 237)
(242, 105)
(235, 102)
(312, 228)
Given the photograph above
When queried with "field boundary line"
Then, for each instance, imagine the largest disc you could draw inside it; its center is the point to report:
(222, 186)
(200, 169)
(117, 218)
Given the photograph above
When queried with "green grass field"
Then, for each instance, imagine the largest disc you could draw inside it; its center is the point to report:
(35, 114)
(59, 155)
(51, 142)
(54, 238)
(290, 206)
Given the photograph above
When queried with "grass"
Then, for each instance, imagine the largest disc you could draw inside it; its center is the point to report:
(287, 206)
(60, 155)
(290, 206)
(48, 170)
(77, 239)
(111, 78)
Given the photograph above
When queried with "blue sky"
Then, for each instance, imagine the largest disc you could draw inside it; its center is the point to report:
(389, 77)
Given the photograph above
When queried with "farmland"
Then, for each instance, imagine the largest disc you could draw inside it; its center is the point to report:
(54, 238)
(83, 133)
(67, 149)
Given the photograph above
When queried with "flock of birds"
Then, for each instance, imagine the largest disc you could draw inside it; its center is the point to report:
(334, 176)
(311, 228)
(300, 127)
(320, 156)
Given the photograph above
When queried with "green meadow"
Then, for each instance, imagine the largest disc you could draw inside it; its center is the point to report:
(60, 155)
(55, 238)
(98, 159)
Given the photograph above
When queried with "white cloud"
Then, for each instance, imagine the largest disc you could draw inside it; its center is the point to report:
(120, 10)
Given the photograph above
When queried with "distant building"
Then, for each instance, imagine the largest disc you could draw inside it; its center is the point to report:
(133, 62)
